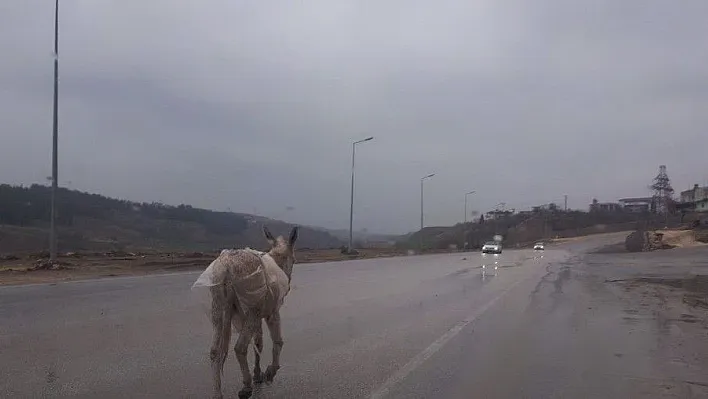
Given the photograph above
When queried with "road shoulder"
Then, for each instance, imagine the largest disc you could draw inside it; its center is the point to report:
(665, 293)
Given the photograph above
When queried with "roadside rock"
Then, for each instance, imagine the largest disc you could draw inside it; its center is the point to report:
(636, 241)
(701, 235)
(656, 241)
(642, 241)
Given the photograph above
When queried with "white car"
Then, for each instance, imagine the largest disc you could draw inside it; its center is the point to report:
(538, 246)
(492, 247)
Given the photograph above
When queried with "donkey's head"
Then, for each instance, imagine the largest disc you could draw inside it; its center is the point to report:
(282, 250)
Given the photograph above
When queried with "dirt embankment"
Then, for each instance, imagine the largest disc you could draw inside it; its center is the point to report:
(77, 266)
(651, 240)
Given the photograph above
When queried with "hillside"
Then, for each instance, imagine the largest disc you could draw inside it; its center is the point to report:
(92, 222)
(363, 237)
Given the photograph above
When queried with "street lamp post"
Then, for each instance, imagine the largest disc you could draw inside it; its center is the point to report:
(55, 140)
(466, 194)
(351, 204)
(422, 179)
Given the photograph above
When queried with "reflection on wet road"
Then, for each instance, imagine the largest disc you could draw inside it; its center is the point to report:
(490, 264)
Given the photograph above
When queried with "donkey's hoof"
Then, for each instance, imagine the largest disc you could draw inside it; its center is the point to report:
(257, 377)
(245, 393)
(270, 373)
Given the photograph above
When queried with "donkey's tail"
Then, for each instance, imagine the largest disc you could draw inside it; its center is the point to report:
(221, 316)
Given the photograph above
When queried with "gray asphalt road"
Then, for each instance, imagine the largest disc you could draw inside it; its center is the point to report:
(428, 326)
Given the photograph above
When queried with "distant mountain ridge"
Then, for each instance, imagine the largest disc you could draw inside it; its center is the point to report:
(96, 222)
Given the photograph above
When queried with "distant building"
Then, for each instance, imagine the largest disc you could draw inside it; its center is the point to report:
(702, 205)
(498, 214)
(637, 205)
(605, 206)
(695, 199)
(609, 206)
(697, 193)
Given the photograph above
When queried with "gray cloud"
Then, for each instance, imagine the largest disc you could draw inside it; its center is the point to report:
(253, 105)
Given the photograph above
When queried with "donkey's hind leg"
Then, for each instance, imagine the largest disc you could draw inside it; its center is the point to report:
(258, 349)
(241, 349)
(221, 325)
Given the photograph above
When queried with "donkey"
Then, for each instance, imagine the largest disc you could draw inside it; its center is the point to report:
(247, 286)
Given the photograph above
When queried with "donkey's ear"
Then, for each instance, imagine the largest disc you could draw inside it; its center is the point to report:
(268, 235)
(293, 236)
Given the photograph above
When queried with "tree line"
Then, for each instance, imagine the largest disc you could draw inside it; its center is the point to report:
(30, 206)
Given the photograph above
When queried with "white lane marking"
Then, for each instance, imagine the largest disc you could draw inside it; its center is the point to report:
(428, 352)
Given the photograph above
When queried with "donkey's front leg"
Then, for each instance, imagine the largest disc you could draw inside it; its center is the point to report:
(276, 335)
(258, 350)
(241, 350)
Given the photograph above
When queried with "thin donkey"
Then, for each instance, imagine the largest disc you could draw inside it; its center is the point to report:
(247, 286)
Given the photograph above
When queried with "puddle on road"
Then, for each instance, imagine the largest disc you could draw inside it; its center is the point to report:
(460, 272)
(563, 276)
(697, 283)
(694, 289)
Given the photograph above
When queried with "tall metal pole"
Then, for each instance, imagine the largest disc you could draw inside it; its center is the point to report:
(422, 179)
(466, 194)
(421, 207)
(55, 140)
(351, 203)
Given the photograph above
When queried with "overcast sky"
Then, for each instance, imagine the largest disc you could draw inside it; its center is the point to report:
(252, 105)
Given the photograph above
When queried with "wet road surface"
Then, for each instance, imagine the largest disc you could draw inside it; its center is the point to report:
(427, 326)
